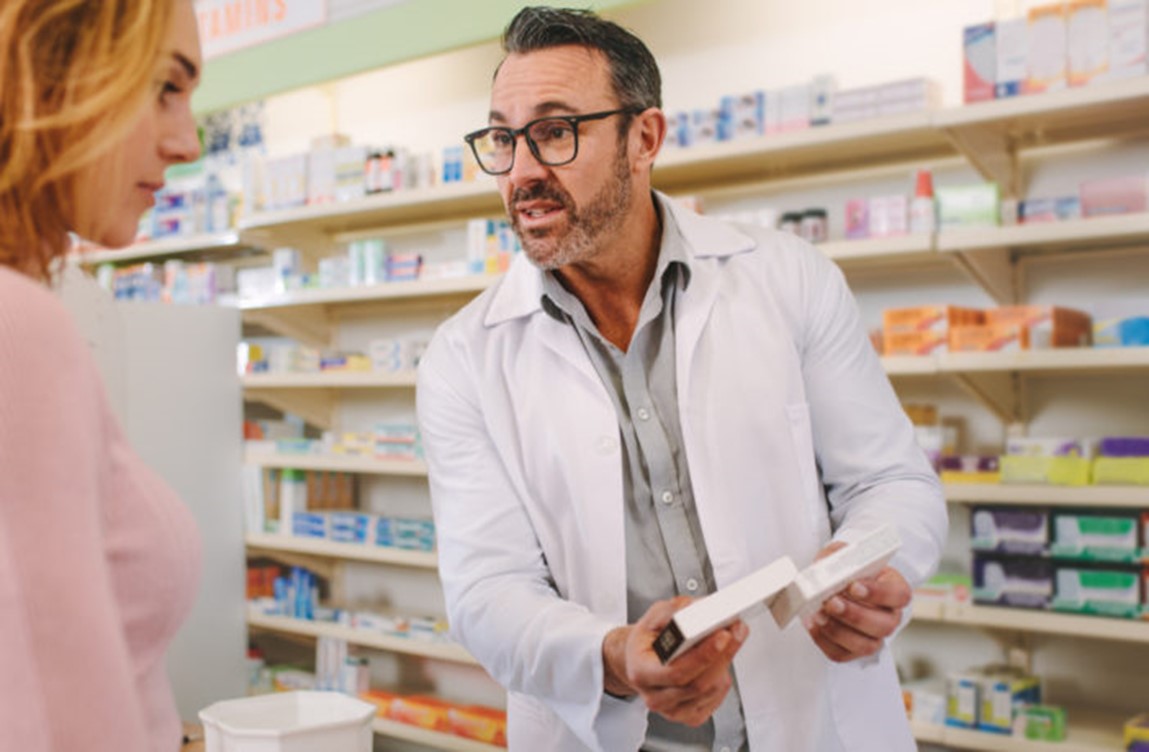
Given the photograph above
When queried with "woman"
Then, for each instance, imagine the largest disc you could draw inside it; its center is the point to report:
(99, 561)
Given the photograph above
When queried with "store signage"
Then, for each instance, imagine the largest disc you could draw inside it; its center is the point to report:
(229, 25)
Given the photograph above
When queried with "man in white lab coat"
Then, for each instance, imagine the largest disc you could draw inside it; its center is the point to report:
(648, 406)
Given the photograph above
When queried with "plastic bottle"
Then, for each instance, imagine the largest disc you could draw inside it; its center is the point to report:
(922, 214)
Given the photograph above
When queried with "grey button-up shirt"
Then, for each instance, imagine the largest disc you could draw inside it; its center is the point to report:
(665, 551)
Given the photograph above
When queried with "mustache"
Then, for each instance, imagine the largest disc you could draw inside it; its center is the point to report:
(541, 192)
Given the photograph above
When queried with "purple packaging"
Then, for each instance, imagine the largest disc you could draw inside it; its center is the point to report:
(1010, 530)
(1125, 446)
(1017, 581)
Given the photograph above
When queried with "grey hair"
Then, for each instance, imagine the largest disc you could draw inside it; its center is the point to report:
(633, 70)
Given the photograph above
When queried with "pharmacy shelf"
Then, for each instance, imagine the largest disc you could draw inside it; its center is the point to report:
(329, 379)
(1075, 360)
(1027, 620)
(1068, 235)
(348, 551)
(198, 246)
(434, 739)
(1088, 731)
(336, 463)
(408, 646)
(467, 285)
(910, 365)
(1133, 497)
(832, 148)
(991, 134)
(406, 207)
(914, 249)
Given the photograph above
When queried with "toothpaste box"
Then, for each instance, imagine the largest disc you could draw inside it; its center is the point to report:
(1048, 54)
(1103, 590)
(1010, 530)
(1017, 581)
(979, 72)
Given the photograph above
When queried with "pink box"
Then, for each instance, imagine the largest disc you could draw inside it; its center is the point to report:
(1123, 195)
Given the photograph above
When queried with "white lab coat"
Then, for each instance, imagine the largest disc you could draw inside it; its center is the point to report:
(780, 392)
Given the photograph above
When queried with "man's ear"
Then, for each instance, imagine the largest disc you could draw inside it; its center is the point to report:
(647, 133)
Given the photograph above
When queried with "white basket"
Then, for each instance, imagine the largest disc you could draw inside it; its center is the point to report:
(289, 722)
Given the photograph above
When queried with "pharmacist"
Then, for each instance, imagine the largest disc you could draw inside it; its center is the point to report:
(650, 405)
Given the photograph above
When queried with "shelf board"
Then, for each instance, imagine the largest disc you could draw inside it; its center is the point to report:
(435, 739)
(910, 365)
(196, 245)
(329, 379)
(1089, 233)
(1024, 620)
(441, 651)
(1088, 731)
(1055, 361)
(813, 150)
(350, 551)
(1136, 497)
(337, 463)
(882, 252)
(468, 285)
(475, 198)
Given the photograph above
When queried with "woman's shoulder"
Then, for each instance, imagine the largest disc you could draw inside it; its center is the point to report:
(32, 318)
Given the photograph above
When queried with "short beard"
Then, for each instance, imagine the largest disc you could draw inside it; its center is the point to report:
(604, 213)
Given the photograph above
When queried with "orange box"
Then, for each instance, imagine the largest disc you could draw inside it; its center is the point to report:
(381, 700)
(1049, 326)
(419, 710)
(989, 338)
(487, 725)
(915, 343)
(929, 318)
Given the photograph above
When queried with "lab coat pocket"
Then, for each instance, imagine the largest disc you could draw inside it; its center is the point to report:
(802, 437)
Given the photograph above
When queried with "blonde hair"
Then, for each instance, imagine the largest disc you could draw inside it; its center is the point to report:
(73, 76)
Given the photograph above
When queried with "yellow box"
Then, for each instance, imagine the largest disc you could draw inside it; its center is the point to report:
(1121, 471)
(1057, 471)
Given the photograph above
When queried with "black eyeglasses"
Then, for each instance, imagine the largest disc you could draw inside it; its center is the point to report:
(553, 140)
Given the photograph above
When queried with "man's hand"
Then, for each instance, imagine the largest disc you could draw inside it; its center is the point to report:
(855, 622)
(690, 688)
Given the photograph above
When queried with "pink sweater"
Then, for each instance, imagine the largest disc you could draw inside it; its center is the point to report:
(99, 560)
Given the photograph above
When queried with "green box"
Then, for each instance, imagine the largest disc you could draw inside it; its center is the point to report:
(968, 206)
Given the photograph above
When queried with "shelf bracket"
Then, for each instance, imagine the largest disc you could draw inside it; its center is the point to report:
(991, 151)
(994, 270)
(310, 325)
(315, 406)
(998, 392)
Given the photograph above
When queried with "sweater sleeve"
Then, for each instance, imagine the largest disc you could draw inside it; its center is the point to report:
(67, 681)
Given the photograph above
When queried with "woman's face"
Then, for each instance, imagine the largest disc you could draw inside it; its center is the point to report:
(114, 191)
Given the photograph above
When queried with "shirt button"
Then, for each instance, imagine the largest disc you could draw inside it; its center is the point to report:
(643, 414)
(692, 584)
(667, 497)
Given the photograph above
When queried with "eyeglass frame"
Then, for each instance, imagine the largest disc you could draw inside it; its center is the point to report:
(572, 120)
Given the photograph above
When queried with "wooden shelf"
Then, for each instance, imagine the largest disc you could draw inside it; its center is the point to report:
(348, 551)
(1097, 360)
(200, 245)
(438, 650)
(337, 463)
(435, 739)
(882, 252)
(1134, 497)
(814, 150)
(1033, 621)
(991, 134)
(1088, 731)
(330, 379)
(1077, 234)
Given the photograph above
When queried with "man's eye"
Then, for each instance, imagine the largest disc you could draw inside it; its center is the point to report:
(554, 132)
(501, 139)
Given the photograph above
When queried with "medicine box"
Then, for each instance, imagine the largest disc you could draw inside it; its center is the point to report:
(1055, 471)
(1003, 693)
(1121, 323)
(1127, 194)
(1088, 41)
(989, 338)
(1121, 471)
(1047, 326)
(1128, 38)
(963, 700)
(980, 54)
(1058, 209)
(1017, 581)
(977, 205)
(1012, 48)
(1045, 723)
(1136, 735)
(1010, 530)
(1098, 589)
(1112, 536)
(1048, 51)
(939, 318)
